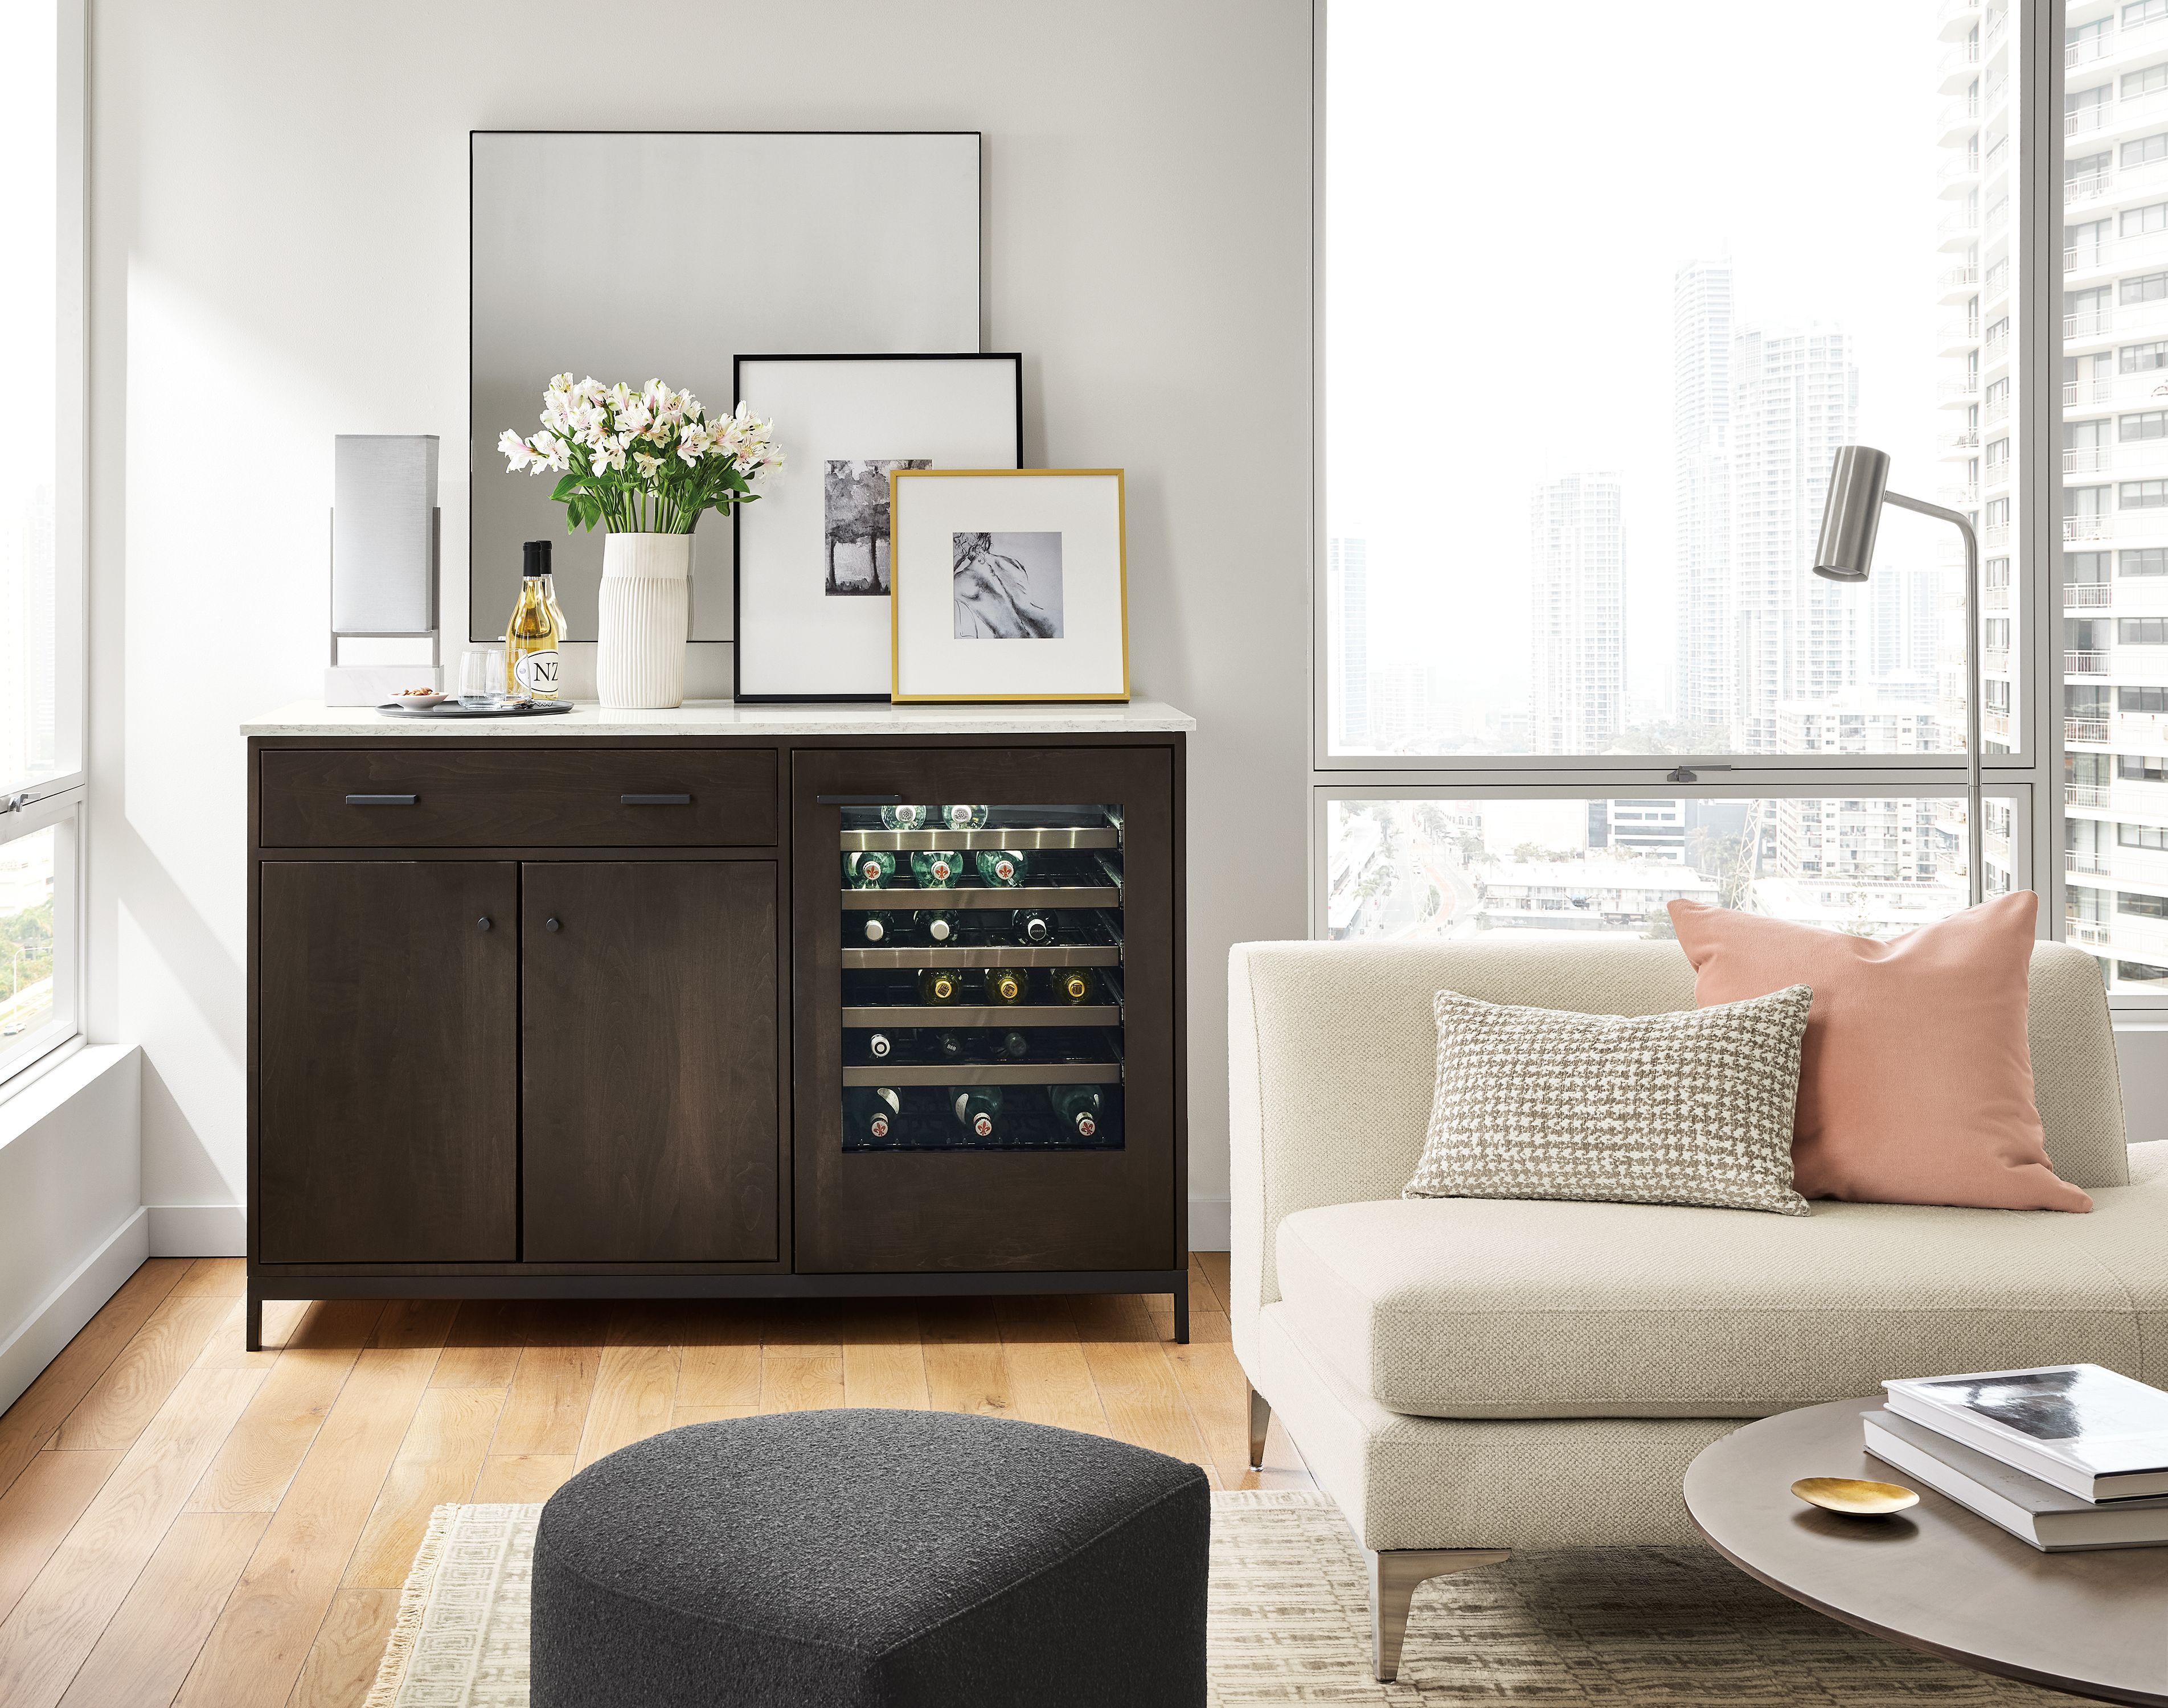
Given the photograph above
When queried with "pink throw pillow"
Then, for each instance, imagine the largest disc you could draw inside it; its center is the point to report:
(1916, 1079)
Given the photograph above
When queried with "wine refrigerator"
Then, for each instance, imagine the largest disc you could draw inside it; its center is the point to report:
(995, 1085)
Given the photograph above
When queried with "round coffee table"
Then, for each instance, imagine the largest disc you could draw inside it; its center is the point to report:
(1934, 1578)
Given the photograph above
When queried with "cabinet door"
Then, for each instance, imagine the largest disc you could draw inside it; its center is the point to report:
(650, 1124)
(864, 1210)
(387, 1070)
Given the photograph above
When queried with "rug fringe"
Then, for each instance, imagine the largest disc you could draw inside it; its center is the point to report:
(413, 1608)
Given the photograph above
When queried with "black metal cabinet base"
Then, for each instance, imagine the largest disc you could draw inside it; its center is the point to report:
(474, 1109)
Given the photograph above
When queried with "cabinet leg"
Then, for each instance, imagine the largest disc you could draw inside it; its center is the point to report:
(1182, 1310)
(254, 1332)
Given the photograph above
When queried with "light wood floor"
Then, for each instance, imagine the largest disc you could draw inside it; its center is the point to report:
(183, 1521)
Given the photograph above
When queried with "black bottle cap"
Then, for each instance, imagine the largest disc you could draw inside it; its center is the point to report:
(534, 558)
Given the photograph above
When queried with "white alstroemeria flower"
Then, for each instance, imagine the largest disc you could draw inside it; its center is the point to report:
(589, 390)
(645, 463)
(549, 452)
(655, 395)
(560, 385)
(633, 415)
(692, 443)
(515, 450)
(617, 396)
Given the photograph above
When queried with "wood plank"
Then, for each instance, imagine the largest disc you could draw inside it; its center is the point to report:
(439, 1462)
(259, 1458)
(38, 1411)
(634, 1390)
(60, 1616)
(719, 1376)
(1214, 1265)
(122, 1401)
(227, 1349)
(546, 1411)
(521, 1478)
(415, 1322)
(801, 1384)
(969, 1376)
(336, 1323)
(255, 1652)
(801, 1328)
(1212, 1382)
(1050, 1383)
(881, 1374)
(281, 1318)
(343, 1661)
(219, 1277)
(477, 1366)
(153, 1640)
(40, 1509)
(1144, 1404)
(682, 1415)
(1113, 1316)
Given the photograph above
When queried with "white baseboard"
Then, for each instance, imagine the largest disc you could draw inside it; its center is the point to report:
(198, 1230)
(1211, 1225)
(60, 1316)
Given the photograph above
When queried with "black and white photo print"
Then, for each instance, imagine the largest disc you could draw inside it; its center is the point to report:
(855, 511)
(1007, 586)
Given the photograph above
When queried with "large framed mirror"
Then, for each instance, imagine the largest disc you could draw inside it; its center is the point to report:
(633, 255)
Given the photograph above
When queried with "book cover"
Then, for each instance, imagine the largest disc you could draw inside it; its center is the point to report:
(2036, 1513)
(2082, 1428)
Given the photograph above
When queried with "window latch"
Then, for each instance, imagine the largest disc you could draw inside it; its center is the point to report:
(1685, 773)
(15, 802)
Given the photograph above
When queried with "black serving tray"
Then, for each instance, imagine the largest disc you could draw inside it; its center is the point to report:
(453, 708)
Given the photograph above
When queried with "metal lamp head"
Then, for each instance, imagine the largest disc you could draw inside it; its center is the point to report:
(1858, 477)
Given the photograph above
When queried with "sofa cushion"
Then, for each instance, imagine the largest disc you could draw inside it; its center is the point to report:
(1466, 1307)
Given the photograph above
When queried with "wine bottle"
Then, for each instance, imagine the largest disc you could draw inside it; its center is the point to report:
(1015, 1045)
(905, 818)
(1007, 986)
(869, 868)
(948, 1046)
(961, 818)
(940, 925)
(549, 598)
(1029, 928)
(977, 1108)
(1078, 1107)
(530, 639)
(1074, 985)
(873, 1112)
(934, 869)
(884, 1047)
(941, 986)
(1001, 868)
(878, 928)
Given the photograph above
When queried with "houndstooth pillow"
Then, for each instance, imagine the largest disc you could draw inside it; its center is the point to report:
(1690, 1108)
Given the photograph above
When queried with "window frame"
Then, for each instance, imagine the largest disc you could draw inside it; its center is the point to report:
(61, 799)
(2031, 771)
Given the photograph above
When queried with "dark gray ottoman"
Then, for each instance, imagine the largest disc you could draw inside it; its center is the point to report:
(839, 1558)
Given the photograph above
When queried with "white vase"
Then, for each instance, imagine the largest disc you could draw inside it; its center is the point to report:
(647, 608)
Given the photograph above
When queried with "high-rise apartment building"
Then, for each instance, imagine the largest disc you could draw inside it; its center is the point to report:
(1701, 434)
(1347, 585)
(1794, 400)
(1577, 612)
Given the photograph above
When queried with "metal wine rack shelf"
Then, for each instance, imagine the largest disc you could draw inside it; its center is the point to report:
(991, 836)
(988, 1073)
(1038, 955)
(1032, 895)
(957, 1014)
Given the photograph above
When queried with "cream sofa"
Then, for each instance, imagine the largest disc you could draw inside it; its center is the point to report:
(1466, 1376)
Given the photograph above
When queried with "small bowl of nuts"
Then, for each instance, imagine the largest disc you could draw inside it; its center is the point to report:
(420, 699)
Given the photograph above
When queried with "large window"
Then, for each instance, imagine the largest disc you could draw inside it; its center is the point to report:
(42, 661)
(1571, 659)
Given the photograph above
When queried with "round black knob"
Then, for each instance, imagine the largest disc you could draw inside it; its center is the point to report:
(550, 925)
(482, 924)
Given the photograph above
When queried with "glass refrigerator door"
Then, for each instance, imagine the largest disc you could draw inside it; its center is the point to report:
(982, 977)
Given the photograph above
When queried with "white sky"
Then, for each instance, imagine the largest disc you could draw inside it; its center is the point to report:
(1509, 192)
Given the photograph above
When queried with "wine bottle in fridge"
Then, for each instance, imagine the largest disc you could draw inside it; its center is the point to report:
(977, 1108)
(1078, 1107)
(873, 1112)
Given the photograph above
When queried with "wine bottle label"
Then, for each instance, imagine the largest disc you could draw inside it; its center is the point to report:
(537, 673)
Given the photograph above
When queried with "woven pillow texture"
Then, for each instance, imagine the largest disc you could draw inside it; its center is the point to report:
(1690, 1108)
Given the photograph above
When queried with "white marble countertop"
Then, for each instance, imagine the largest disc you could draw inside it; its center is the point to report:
(727, 717)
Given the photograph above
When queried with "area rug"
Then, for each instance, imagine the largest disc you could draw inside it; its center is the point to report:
(1290, 1624)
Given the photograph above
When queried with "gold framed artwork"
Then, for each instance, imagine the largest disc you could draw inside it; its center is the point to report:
(1008, 585)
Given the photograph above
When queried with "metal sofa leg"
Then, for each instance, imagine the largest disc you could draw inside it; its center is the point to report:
(1261, 1419)
(1395, 1575)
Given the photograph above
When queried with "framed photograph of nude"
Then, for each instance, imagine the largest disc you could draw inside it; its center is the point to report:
(1007, 584)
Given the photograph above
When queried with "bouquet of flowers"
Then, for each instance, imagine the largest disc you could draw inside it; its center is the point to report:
(648, 461)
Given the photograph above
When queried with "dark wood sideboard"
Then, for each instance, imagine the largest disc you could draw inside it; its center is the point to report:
(572, 1010)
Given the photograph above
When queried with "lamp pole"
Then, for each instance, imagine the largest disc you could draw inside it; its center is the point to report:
(1975, 868)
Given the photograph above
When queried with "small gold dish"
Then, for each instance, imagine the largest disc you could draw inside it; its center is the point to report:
(1854, 1496)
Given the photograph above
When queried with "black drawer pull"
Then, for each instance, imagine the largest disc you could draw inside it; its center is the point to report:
(381, 800)
(858, 800)
(482, 924)
(550, 923)
(655, 800)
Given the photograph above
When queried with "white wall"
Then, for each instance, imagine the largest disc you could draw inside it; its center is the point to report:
(278, 254)
(72, 1229)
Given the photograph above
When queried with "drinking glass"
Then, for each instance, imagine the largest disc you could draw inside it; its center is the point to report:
(481, 678)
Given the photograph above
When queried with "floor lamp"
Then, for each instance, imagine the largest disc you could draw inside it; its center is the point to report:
(1859, 488)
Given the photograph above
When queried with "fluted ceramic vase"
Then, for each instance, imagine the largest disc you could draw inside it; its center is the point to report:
(647, 609)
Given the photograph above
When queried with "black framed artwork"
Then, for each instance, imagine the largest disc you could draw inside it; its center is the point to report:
(811, 614)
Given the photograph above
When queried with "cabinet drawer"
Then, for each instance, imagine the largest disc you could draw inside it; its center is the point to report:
(549, 797)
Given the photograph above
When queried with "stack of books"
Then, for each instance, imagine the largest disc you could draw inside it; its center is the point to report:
(2071, 1456)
